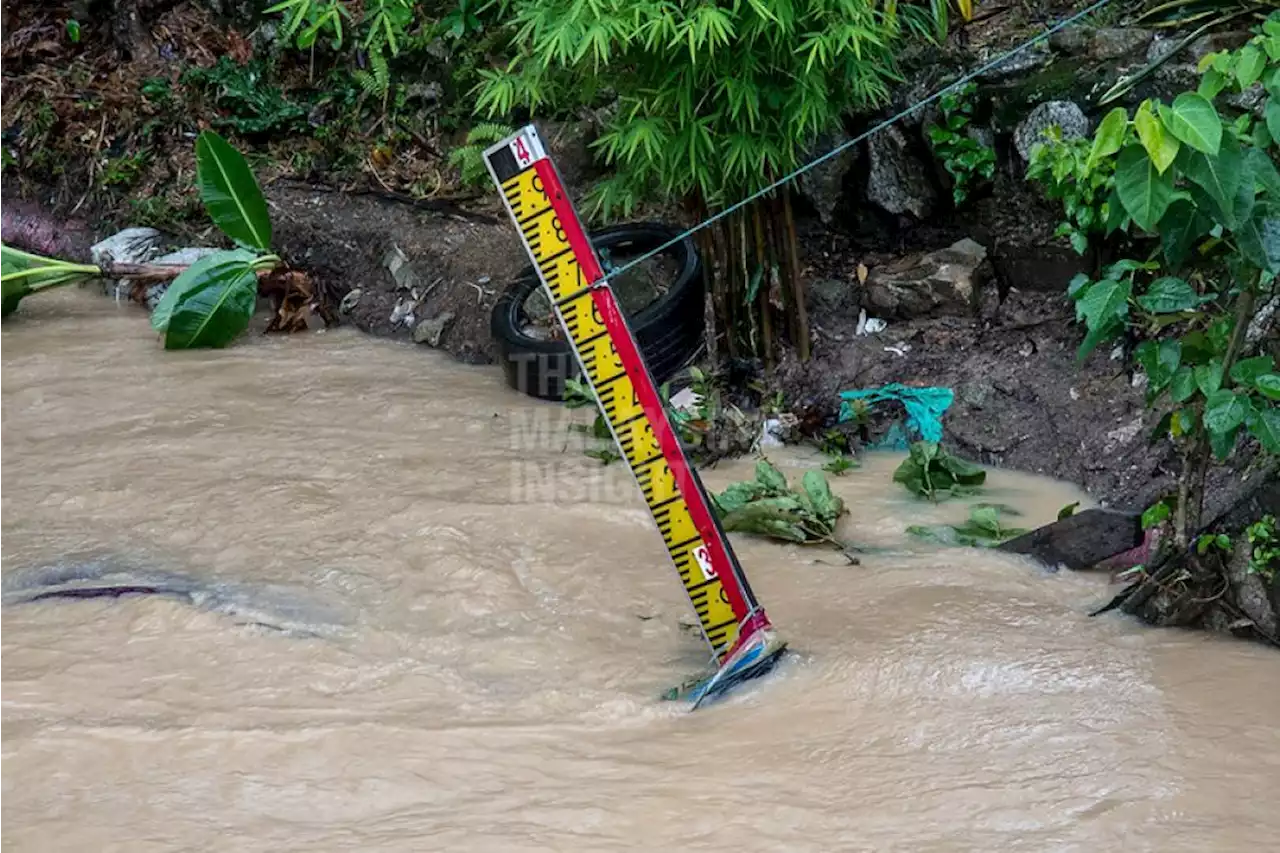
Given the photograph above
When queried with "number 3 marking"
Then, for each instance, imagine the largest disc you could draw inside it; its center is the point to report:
(703, 556)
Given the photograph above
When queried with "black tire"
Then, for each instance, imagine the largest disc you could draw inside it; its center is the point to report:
(669, 331)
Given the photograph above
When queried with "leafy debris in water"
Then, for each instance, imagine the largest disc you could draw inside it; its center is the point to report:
(768, 506)
(982, 530)
(931, 472)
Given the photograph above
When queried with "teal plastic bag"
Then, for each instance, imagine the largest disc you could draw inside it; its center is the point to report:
(924, 406)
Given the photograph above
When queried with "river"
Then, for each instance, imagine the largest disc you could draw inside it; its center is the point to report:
(481, 621)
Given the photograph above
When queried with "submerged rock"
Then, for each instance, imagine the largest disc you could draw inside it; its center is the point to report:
(280, 608)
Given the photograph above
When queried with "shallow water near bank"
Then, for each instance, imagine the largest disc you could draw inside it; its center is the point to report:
(506, 621)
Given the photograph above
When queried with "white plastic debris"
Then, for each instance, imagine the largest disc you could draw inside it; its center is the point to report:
(869, 325)
(687, 400)
(130, 246)
(898, 349)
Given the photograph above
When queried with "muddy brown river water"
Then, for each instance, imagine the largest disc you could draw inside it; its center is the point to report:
(481, 622)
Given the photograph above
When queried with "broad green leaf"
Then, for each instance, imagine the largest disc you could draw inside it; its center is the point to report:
(1268, 385)
(1183, 385)
(1209, 377)
(1160, 362)
(1109, 136)
(826, 505)
(1272, 115)
(1182, 226)
(1168, 295)
(1247, 370)
(1068, 510)
(1212, 83)
(215, 264)
(1224, 410)
(1249, 65)
(1193, 120)
(1219, 176)
(1161, 147)
(1264, 171)
(1106, 302)
(1155, 514)
(230, 193)
(1222, 443)
(1144, 192)
(770, 477)
(215, 307)
(1265, 426)
(963, 471)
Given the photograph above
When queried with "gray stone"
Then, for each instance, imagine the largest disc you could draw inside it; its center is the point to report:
(1080, 541)
(130, 246)
(1073, 41)
(1068, 117)
(1020, 63)
(947, 281)
(350, 301)
(897, 181)
(1119, 43)
(1252, 591)
(834, 298)
(397, 263)
(430, 331)
(823, 185)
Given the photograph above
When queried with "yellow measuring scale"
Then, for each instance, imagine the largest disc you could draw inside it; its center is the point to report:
(743, 642)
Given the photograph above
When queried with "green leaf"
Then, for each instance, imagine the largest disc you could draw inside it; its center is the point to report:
(1264, 172)
(1222, 443)
(1258, 239)
(1249, 65)
(1247, 370)
(1209, 377)
(230, 193)
(963, 471)
(769, 477)
(826, 505)
(1219, 176)
(1265, 426)
(215, 304)
(1272, 116)
(1155, 514)
(1161, 147)
(1109, 137)
(1159, 361)
(1193, 120)
(1183, 385)
(1104, 309)
(1068, 510)
(1268, 385)
(1224, 410)
(1169, 295)
(214, 264)
(1182, 226)
(1143, 190)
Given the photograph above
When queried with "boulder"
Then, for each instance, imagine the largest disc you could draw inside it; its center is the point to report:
(834, 298)
(823, 185)
(430, 331)
(947, 281)
(897, 181)
(1119, 43)
(1067, 116)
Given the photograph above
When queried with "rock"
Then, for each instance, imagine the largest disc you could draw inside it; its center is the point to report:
(1080, 541)
(130, 246)
(823, 185)
(426, 92)
(397, 263)
(1064, 114)
(350, 301)
(1119, 42)
(1072, 41)
(898, 182)
(430, 331)
(834, 298)
(1251, 590)
(947, 281)
(1020, 63)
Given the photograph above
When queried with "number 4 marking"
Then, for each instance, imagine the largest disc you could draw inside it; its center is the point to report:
(703, 556)
(521, 151)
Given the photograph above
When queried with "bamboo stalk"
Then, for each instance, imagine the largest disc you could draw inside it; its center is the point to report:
(800, 311)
